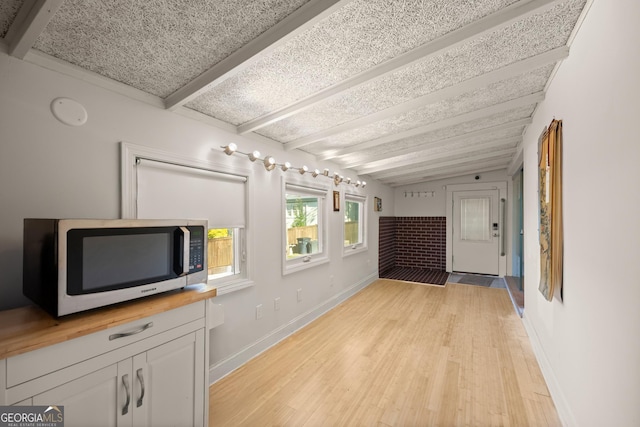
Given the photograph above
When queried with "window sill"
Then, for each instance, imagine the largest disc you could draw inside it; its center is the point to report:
(232, 286)
(292, 267)
(349, 250)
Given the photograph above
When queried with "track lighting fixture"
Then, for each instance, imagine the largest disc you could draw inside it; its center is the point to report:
(230, 148)
(270, 164)
(254, 156)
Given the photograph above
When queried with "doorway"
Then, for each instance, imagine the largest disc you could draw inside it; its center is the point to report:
(477, 228)
(515, 282)
(476, 232)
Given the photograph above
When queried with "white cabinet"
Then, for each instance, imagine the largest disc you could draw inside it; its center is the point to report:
(166, 379)
(90, 400)
(150, 372)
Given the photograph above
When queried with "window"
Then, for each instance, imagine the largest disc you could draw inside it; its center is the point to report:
(475, 219)
(304, 240)
(354, 222)
(223, 252)
(160, 188)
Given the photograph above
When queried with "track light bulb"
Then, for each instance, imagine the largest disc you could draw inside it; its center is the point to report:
(358, 183)
(325, 172)
(364, 184)
(348, 180)
(269, 163)
(230, 148)
(285, 167)
(315, 173)
(254, 156)
(303, 170)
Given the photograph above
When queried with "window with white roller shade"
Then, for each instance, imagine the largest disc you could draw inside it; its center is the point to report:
(167, 191)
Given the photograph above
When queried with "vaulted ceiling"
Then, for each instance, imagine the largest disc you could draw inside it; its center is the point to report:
(404, 91)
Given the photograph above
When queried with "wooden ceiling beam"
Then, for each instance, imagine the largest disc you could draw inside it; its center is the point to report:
(429, 155)
(441, 163)
(452, 121)
(292, 25)
(29, 23)
(475, 83)
(469, 32)
(448, 173)
(371, 160)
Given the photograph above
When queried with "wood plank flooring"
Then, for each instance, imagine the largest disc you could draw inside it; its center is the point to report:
(396, 354)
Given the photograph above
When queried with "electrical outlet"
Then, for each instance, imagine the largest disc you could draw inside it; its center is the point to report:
(299, 294)
(258, 311)
(276, 304)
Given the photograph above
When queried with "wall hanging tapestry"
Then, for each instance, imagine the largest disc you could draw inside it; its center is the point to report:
(550, 194)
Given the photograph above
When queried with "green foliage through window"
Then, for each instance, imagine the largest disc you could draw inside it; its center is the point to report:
(215, 233)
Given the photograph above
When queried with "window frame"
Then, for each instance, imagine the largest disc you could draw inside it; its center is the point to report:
(304, 262)
(129, 186)
(239, 259)
(363, 219)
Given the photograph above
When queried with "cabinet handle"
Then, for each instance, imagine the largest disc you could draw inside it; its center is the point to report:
(139, 375)
(125, 383)
(128, 334)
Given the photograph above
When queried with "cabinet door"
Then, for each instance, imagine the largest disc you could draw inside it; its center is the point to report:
(169, 383)
(88, 401)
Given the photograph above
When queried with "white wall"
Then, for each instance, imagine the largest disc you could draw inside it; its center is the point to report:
(435, 206)
(53, 170)
(589, 345)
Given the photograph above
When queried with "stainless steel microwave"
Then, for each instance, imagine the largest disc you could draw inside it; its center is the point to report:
(72, 265)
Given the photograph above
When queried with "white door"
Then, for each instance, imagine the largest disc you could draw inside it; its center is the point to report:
(168, 380)
(476, 232)
(90, 400)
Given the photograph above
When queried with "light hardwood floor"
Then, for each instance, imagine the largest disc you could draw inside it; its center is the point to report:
(396, 354)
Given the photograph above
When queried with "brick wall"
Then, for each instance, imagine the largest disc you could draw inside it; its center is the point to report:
(387, 244)
(418, 242)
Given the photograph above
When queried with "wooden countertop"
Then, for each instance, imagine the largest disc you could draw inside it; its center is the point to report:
(30, 328)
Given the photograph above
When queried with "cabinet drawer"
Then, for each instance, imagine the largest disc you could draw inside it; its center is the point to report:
(31, 365)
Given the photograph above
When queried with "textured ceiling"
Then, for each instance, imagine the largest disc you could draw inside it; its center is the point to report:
(403, 91)
(8, 11)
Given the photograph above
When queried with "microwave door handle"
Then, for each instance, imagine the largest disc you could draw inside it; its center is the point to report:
(186, 244)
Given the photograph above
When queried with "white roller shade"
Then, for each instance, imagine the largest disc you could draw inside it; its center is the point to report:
(293, 188)
(355, 197)
(168, 191)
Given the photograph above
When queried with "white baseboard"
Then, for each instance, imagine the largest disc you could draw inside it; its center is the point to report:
(558, 397)
(230, 364)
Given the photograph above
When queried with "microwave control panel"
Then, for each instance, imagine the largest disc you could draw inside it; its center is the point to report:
(197, 246)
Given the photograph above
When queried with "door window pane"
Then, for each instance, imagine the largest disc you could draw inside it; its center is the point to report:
(474, 219)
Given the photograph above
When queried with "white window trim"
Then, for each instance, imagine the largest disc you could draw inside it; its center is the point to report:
(303, 263)
(360, 247)
(128, 184)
